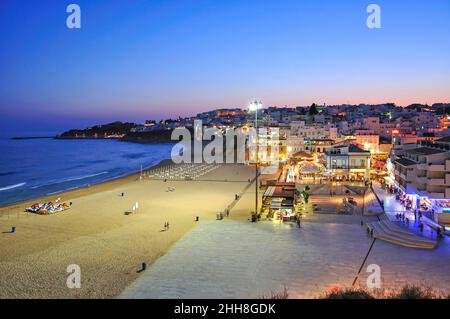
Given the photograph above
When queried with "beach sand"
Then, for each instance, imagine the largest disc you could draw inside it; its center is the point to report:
(108, 245)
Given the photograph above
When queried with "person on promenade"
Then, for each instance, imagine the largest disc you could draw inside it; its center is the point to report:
(421, 227)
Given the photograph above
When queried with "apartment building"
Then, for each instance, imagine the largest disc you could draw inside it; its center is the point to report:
(373, 123)
(422, 174)
(368, 140)
(314, 131)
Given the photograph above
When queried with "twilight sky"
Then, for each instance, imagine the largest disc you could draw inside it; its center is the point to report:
(151, 59)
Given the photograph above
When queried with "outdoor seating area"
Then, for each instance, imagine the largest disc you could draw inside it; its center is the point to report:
(384, 229)
(180, 171)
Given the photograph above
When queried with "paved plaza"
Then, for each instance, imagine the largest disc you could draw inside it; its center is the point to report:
(232, 259)
(239, 259)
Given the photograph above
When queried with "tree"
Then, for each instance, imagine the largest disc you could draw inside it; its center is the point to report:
(313, 109)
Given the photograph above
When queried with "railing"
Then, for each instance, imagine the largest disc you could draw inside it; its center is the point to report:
(348, 167)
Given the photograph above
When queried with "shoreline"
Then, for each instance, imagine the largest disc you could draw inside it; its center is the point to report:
(108, 244)
(81, 190)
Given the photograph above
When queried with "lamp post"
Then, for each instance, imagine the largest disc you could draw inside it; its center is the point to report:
(254, 106)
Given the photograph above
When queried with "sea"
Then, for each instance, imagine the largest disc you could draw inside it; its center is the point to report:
(32, 168)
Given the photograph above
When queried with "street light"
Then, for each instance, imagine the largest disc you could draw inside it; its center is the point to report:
(253, 107)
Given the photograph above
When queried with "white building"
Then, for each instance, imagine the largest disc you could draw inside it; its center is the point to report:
(423, 176)
(314, 131)
(348, 162)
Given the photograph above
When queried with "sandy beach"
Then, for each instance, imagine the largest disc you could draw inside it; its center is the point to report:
(97, 235)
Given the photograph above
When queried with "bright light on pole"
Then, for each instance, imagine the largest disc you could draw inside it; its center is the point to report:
(253, 107)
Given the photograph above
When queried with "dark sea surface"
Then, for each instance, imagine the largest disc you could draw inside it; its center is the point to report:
(32, 168)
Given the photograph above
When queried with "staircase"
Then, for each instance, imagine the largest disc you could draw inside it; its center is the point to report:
(386, 230)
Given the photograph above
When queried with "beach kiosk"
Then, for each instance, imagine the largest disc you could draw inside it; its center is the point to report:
(278, 202)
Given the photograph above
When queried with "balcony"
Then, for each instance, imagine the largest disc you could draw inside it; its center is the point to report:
(437, 195)
(422, 180)
(436, 168)
(422, 166)
(436, 181)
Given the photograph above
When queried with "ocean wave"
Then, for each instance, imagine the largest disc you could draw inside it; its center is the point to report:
(70, 179)
(7, 173)
(134, 155)
(62, 191)
(83, 177)
(11, 186)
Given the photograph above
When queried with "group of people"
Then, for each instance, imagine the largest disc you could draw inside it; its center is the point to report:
(418, 217)
(402, 217)
(166, 226)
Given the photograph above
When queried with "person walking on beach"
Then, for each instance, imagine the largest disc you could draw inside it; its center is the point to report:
(167, 225)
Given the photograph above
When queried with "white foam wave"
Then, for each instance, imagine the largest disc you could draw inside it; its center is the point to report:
(11, 186)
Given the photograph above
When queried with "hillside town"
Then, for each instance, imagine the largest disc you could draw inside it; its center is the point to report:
(406, 150)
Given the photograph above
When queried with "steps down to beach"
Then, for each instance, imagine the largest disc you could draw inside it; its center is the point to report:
(323, 205)
(385, 229)
(324, 190)
(359, 190)
(371, 206)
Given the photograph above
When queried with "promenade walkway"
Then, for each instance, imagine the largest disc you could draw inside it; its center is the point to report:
(393, 206)
(232, 259)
